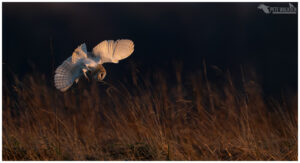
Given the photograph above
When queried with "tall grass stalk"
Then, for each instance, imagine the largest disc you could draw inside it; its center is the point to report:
(148, 117)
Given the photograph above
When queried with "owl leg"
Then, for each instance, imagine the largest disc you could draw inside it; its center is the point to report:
(76, 80)
(84, 70)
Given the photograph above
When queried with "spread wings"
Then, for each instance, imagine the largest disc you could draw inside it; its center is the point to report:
(113, 51)
(106, 51)
(71, 69)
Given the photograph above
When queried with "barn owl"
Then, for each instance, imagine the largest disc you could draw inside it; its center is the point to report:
(82, 61)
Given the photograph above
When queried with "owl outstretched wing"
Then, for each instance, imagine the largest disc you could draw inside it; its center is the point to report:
(113, 51)
(79, 53)
(71, 69)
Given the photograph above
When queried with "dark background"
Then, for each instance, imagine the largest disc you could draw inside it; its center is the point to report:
(227, 35)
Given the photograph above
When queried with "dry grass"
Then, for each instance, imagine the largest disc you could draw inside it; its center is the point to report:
(156, 116)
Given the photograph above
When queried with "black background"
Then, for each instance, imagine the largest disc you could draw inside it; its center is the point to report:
(227, 35)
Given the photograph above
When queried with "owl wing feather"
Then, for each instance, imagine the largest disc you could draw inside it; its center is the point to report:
(111, 51)
(79, 53)
(71, 69)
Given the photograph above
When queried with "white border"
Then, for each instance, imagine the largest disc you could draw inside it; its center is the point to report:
(264, 1)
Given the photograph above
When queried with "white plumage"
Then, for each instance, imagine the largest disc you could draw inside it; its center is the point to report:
(113, 51)
(81, 61)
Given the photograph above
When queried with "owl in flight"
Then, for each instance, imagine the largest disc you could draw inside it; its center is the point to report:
(82, 61)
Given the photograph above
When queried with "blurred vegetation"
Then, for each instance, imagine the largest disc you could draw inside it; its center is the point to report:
(151, 116)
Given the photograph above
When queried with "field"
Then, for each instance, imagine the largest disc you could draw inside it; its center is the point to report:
(148, 116)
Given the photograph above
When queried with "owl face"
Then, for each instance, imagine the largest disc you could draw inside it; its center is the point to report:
(100, 75)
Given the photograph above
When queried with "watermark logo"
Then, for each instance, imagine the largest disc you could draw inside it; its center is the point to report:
(291, 9)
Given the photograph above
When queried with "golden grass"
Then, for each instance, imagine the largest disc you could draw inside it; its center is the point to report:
(156, 116)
